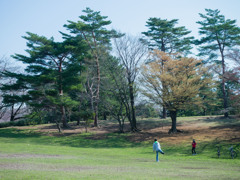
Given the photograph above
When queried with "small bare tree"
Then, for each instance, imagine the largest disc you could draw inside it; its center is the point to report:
(11, 111)
(131, 52)
(233, 76)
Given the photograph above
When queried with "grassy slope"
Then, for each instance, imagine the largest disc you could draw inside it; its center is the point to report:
(25, 154)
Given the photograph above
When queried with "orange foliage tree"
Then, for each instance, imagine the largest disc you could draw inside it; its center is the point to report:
(181, 78)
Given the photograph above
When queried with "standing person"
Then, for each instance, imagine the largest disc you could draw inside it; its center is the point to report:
(157, 148)
(194, 147)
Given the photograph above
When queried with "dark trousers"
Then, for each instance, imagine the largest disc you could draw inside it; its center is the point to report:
(193, 150)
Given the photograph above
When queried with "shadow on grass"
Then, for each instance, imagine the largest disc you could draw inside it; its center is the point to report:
(153, 123)
(223, 120)
(17, 133)
(86, 140)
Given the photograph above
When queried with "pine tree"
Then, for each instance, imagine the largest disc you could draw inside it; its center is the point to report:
(91, 28)
(52, 71)
(165, 36)
(219, 34)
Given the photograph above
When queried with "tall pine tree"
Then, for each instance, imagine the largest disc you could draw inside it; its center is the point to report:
(52, 70)
(92, 28)
(218, 35)
(165, 36)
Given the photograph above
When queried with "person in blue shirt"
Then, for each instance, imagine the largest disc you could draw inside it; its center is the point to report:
(157, 148)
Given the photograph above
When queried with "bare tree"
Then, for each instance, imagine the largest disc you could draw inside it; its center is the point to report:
(130, 51)
(233, 76)
(234, 55)
(3, 65)
(117, 99)
(8, 111)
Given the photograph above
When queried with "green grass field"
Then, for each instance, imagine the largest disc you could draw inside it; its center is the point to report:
(28, 154)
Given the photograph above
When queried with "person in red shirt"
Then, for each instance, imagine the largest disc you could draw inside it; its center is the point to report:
(194, 147)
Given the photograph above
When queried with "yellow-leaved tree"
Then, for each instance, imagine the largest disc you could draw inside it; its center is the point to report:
(173, 82)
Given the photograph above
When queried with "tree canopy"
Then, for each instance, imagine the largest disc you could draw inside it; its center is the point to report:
(165, 36)
(219, 34)
(175, 83)
(95, 72)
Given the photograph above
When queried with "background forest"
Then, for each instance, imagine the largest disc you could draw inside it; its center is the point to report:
(101, 73)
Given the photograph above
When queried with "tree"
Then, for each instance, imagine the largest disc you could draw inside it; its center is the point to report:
(130, 51)
(233, 78)
(92, 29)
(3, 66)
(145, 109)
(182, 79)
(13, 110)
(208, 94)
(52, 71)
(165, 36)
(218, 35)
(115, 89)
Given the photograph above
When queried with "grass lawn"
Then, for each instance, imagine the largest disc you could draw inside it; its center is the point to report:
(29, 154)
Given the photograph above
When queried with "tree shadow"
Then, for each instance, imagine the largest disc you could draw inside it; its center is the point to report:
(222, 120)
(85, 140)
(148, 124)
(18, 133)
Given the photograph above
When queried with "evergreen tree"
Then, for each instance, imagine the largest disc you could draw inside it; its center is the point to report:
(52, 71)
(92, 28)
(219, 34)
(165, 36)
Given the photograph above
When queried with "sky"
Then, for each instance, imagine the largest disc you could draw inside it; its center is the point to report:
(47, 17)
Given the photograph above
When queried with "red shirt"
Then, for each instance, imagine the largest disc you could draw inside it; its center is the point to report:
(194, 144)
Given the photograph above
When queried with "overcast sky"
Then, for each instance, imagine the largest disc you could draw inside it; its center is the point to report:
(47, 17)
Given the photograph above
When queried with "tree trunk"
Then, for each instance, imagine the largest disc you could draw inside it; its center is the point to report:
(129, 116)
(204, 112)
(173, 115)
(104, 116)
(58, 126)
(63, 112)
(164, 116)
(225, 103)
(96, 116)
(130, 119)
(12, 113)
(63, 117)
(133, 114)
(78, 120)
(97, 93)
(121, 125)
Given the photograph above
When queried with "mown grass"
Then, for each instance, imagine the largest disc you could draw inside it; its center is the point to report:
(26, 154)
